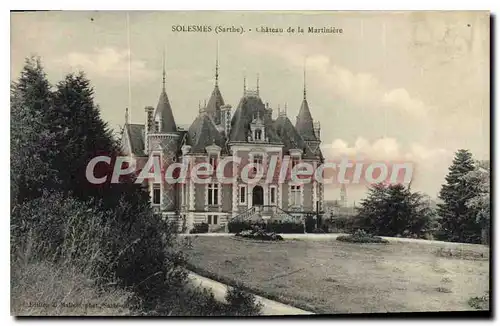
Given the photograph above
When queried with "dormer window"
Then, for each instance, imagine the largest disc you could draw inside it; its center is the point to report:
(257, 129)
(157, 126)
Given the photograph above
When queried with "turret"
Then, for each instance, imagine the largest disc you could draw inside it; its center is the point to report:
(305, 125)
(163, 138)
(163, 116)
(216, 102)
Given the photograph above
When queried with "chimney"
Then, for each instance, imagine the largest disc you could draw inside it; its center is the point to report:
(317, 130)
(148, 125)
(225, 112)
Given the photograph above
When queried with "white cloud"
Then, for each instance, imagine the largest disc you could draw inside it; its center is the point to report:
(108, 63)
(380, 149)
(430, 164)
(363, 89)
(384, 149)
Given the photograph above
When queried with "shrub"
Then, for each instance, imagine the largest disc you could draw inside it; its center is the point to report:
(127, 246)
(462, 254)
(340, 224)
(360, 236)
(273, 226)
(259, 234)
(242, 303)
(285, 227)
(199, 228)
(480, 303)
(318, 230)
(59, 229)
(58, 288)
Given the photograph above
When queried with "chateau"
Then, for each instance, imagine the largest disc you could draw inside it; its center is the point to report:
(250, 133)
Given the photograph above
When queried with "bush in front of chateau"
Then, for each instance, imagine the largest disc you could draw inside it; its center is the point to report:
(273, 226)
(360, 236)
(259, 234)
(199, 228)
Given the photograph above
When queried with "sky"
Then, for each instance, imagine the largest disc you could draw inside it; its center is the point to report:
(393, 86)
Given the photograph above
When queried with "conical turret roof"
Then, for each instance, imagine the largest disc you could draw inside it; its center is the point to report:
(164, 111)
(215, 101)
(304, 124)
(290, 136)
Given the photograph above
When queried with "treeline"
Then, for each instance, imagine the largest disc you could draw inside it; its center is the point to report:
(106, 236)
(461, 215)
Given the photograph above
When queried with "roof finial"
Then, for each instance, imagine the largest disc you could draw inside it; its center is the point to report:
(244, 83)
(126, 115)
(286, 107)
(217, 65)
(304, 78)
(257, 84)
(164, 73)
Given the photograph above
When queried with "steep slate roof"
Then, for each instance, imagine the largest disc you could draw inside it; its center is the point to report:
(135, 134)
(290, 137)
(304, 124)
(215, 101)
(164, 110)
(243, 116)
(203, 133)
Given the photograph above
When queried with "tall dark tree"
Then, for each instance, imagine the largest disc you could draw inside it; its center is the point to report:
(394, 210)
(55, 134)
(33, 143)
(82, 133)
(457, 219)
(482, 201)
(372, 209)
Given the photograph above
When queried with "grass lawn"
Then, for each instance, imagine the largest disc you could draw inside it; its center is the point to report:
(329, 276)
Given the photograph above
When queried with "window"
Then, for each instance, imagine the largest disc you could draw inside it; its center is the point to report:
(272, 195)
(156, 159)
(243, 195)
(213, 161)
(295, 161)
(213, 194)
(258, 134)
(184, 194)
(212, 219)
(157, 126)
(257, 160)
(295, 196)
(156, 194)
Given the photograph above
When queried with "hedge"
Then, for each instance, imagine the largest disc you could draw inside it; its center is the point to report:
(199, 228)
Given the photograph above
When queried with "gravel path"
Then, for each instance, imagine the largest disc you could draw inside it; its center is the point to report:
(333, 236)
